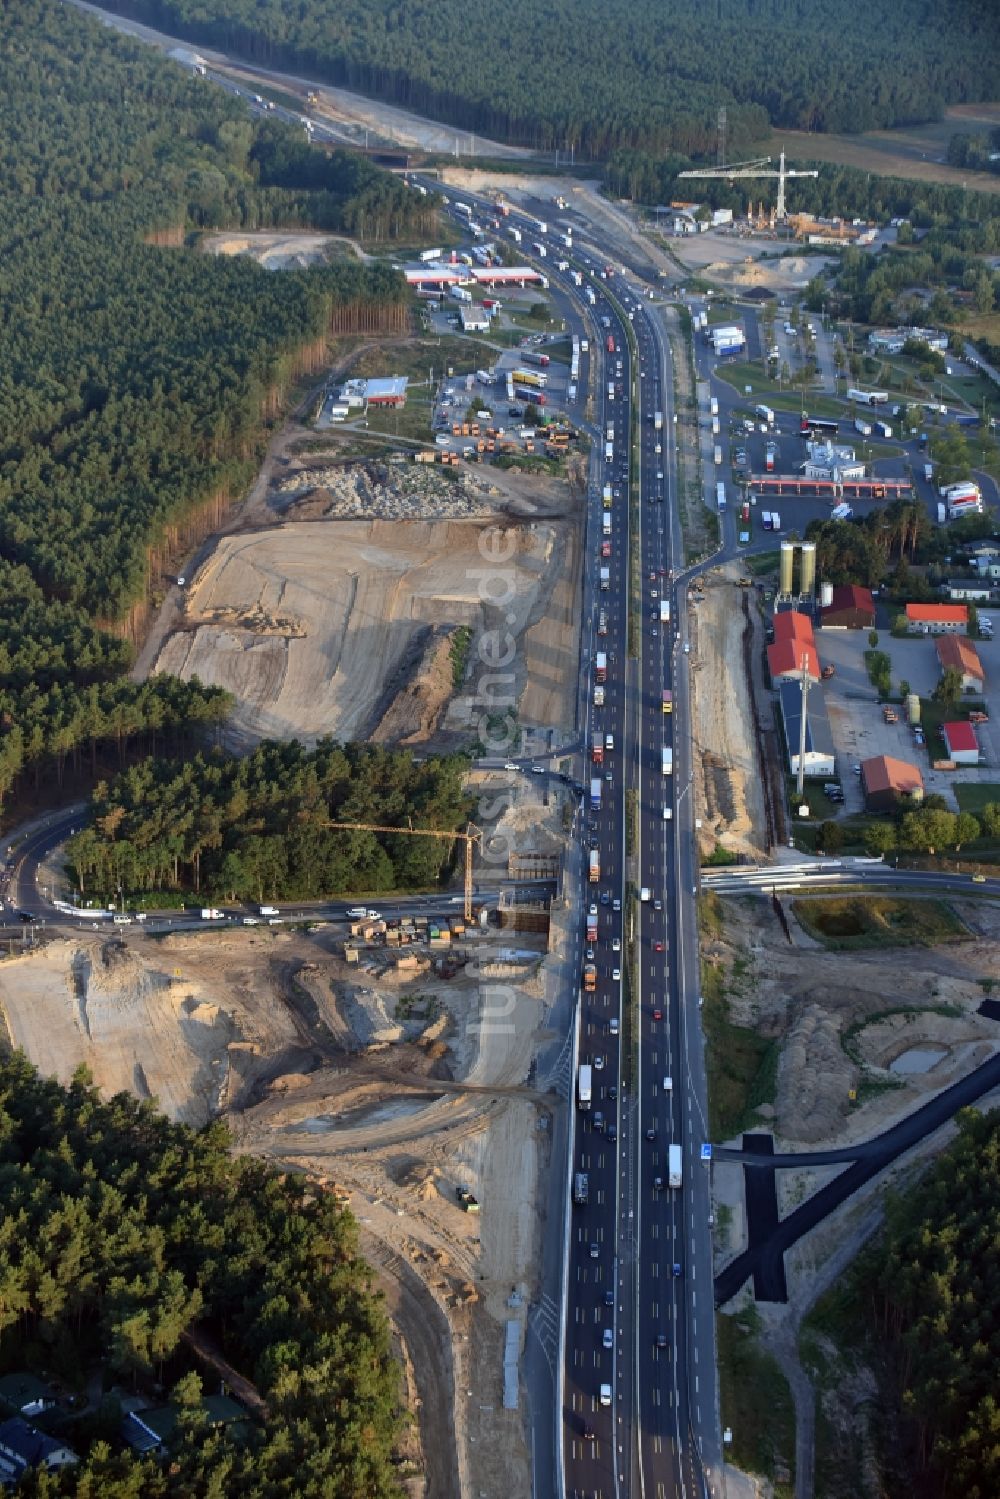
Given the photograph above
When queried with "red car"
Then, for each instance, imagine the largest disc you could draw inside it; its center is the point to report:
(657, 1014)
(657, 946)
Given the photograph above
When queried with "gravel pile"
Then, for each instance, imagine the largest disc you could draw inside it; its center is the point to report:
(369, 491)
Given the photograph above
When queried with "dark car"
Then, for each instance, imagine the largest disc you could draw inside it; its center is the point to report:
(25, 916)
(661, 1340)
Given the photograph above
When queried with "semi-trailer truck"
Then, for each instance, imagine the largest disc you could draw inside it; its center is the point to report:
(598, 697)
(668, 701)
(589, 978)
(657, 421)
(597, 748)
(606, 524)
(595, 794)
(667, 761)
(675, 1170)
(601, 666)
(581, 1185)
(664, 611)
(605, 578)
(583, 1086)
(609, 452)
(595, 867)
(717, 455)
(607, 497)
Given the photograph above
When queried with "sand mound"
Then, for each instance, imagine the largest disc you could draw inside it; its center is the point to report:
(418, 703)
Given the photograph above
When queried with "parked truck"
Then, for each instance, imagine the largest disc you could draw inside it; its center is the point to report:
(942, 513)
(667, 761)
(595, 866)
(770, 453)
(675, 1170)
(595, 794)
(860, 425)
(605, 578)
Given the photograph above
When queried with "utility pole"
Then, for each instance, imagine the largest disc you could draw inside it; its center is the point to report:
(801, 776)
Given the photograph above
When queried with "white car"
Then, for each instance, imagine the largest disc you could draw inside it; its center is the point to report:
(358, 912)
(608, 1338)
(687, 647)
(616, 944)
(616, 975)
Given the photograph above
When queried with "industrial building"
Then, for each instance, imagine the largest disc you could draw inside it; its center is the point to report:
(956, 653)
(892, 340)
(820, 758)
(473, 318)
(849, 607)
(361, 393)
(886, 782)
(787, 659)
(961, 743)
(937, 619)
(830, 461)
(440, 274)
(807, 569)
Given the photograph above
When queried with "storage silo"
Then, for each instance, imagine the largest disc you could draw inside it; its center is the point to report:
(787, 568)
(912, 708)
(825, 595)
(808, 584)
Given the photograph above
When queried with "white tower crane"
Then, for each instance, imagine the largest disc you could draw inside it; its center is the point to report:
(760, 168)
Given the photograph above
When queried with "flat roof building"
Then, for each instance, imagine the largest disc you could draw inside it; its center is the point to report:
(886, 782)
(473, 318)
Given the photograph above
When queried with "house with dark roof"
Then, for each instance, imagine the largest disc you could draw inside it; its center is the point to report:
(851, 608)
(887, 781)
(23, 1446)
(150, 1430)
(23, 1394)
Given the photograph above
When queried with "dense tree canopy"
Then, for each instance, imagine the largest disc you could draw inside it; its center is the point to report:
(255, 828)
(599, 74)
(135, 373)
(121, 1232)
(934, 1310)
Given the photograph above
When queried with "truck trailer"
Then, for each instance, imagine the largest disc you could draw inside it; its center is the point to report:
(667, 761)
(596, 786)
(595, 866)
(675, 1170)
(664, 611)
(583, 1086)
(601, 666)
(605, 578)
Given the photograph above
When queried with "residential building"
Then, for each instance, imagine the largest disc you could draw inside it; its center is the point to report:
(961, 743)
(886, 782)
(891, 340)
(23, 1446)
(973, 590)
(820, 757)
(956, 653)
(150, 1429)
(851, 608)
(937, 619)
(25, 1395)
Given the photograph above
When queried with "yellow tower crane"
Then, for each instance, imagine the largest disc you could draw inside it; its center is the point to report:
(472, 836)
(761, 168)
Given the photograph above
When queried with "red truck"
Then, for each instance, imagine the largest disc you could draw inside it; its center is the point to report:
(597, 749)
(610, 343)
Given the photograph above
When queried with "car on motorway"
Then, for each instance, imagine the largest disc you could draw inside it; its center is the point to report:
(590, 954)
(599, 1121)
(979, 879)
(616, 944)
(593, 908)
(598, 1064)
(661, 1340)
(655, 632)
(616, 905)
(609, 1298)
(657, 946)
(613, 1093)
(657, 1183)
(510, 765)
(595, 1251)
(605, 898)
(657, 1014)
(657, 905)
(677, 1270)
(607, 1338)
(651, 1133)
(613, 1022)
(605, 1394)
(687, 647)
(251, 921)
(25, 916)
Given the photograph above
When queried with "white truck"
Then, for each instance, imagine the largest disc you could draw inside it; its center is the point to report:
(865, 428)
(267, 910)
(657, 421)
(210, 913)
(583, 1086)
(609, 452)
(605, 579)
(598, 696)
(675, 1169)
(928, 472)
(717, 455)
(664, 611)
(667, 761)
(713, 407)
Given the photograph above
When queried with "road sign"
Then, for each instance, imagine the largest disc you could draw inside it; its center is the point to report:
(706, 1152)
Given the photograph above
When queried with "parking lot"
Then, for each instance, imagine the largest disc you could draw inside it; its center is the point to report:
(859, 729)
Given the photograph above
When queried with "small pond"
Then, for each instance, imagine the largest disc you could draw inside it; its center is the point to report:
(917, 1059)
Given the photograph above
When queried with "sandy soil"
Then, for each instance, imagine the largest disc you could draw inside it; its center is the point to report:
(727, 781)
(379, 1078)
(324, 625)
(280, 252)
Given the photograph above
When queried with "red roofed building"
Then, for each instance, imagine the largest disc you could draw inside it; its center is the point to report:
(791, 625)
(886, 781)
(955, 653)
(852, 608)
(937, 619)
(961, 743)
(785, 660)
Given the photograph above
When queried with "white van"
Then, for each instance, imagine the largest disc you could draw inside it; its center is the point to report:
(668, 1085)
(644, 893)
(668, 813)
(605, 1396)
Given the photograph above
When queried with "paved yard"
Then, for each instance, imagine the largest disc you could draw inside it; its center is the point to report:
(859, 730)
